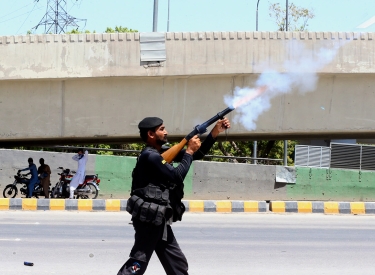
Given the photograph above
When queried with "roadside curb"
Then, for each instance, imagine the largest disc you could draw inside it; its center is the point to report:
(120, 205)
(327, 207)
(196, 206)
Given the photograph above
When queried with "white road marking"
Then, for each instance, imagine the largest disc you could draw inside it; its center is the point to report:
(16, 240)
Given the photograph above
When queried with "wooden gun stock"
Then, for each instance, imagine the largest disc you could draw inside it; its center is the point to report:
(172, 152)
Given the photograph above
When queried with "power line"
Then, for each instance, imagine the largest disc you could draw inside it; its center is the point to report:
(75, 4)
(27, 16)
(57, 19)
(15, 17)
(2, 16)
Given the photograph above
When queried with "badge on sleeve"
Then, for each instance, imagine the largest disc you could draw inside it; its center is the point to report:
(135, 268)
(164, 161)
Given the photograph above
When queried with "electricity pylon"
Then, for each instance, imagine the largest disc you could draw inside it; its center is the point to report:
(56, 19)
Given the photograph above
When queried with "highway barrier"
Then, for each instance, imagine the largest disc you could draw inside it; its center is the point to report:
(196, 206)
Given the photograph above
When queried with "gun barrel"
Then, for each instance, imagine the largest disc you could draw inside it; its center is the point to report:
(226, 111)
(219, 115)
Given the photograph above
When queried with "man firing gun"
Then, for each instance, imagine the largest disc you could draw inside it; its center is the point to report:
(157, 190)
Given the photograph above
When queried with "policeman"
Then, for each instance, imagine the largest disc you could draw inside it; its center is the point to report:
(155, 202)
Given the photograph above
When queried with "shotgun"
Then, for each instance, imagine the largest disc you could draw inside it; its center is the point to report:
(172, 152)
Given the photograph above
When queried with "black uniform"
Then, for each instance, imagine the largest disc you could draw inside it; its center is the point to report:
(153, 180)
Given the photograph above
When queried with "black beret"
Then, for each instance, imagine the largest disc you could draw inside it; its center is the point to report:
(150, 123)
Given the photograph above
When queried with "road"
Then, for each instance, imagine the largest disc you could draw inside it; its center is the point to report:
(238, 243)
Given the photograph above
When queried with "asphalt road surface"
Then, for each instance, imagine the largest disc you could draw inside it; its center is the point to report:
(238, 243)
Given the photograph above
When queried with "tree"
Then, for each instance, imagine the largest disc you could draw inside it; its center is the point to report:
(76, 31)
(119, 29)
(272, 149)
(297, 17)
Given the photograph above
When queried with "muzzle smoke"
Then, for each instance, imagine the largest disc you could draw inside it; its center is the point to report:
(299, 73)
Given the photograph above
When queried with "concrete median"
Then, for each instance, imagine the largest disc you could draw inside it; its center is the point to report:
(120, 205)
(327, 207)
(196, 206)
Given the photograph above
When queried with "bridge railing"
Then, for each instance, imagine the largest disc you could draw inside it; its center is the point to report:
(353, 156)
(264, 161)
(312, 156)
(338, 155)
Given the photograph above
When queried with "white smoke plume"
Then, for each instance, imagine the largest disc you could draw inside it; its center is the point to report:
(299, 72)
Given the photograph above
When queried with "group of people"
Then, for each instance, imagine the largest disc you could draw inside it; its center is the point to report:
(44, 173)
(156, 193)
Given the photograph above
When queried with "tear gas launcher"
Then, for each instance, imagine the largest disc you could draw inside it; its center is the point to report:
(172, 152)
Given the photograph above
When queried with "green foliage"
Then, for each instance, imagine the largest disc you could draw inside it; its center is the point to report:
(267, 149)
(132, 146)
(270, 149)
(297, 17)
(119, 29)
(76, 31)
(104, 146)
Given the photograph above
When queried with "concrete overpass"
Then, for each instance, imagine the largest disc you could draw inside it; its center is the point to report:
(58, 89)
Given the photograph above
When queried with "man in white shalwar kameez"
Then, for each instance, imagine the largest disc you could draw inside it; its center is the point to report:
(79, 177)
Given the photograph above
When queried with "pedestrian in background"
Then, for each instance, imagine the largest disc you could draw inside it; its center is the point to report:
(44, 171)
(79, 177)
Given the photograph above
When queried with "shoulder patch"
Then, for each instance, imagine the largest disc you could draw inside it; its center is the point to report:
(164, 161)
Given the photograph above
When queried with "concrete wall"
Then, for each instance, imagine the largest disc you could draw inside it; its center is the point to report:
(88, 110)
(196, 53)
(205, 180)
(235, 181)
(210, 180)
(332, 184)
(60, 89)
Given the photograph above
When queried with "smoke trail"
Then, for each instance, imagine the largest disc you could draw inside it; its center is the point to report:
(299, 73)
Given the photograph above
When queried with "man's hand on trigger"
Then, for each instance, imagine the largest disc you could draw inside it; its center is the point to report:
(193, 145)
(220, 126)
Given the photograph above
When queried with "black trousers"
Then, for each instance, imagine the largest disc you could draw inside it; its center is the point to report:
(148, 238)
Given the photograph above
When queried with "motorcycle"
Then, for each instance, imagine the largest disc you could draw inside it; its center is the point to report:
(89, 189)
(11, 190)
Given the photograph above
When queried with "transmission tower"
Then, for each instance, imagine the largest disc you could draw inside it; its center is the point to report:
(57, 20)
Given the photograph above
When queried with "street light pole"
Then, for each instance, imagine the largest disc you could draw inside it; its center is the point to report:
(285, 153)
(155, 25)
(286, 17)
(168, 16)
(257, 17)
(255, 143)
(285, 141)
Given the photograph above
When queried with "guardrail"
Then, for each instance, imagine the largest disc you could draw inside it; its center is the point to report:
(338, 155)
(265, 161)
(312, 156)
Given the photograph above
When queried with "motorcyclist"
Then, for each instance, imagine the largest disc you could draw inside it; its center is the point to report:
(34, 177)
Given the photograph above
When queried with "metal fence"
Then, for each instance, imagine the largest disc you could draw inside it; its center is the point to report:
(312, 156)
(338, 155)
(264, 161)
(352, 156)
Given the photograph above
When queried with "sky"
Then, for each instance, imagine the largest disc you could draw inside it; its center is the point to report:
(19, 16)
